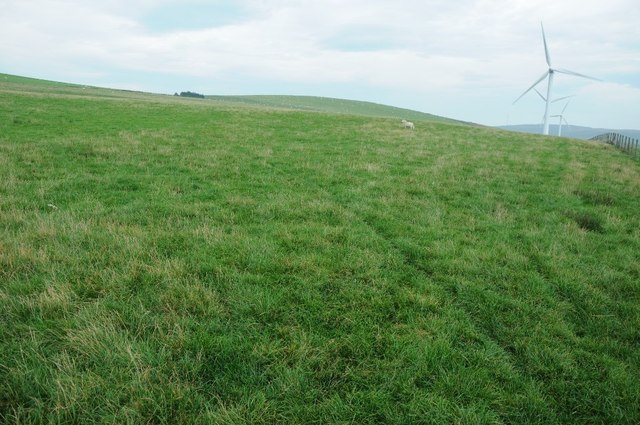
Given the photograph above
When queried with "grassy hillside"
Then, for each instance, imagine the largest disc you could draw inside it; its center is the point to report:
(331, 105)
(174, 261)
(22, 85)
(301, 103)
(573, 131)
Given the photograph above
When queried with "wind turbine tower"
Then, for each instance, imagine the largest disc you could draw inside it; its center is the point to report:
(561, 119)
(550, 73)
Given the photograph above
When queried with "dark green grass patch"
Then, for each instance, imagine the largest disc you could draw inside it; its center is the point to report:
(587, 221)
(168, 261)
(595, 197)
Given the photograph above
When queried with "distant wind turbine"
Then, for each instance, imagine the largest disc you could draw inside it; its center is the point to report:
(561, 116)
(561, 119)
(550, 73)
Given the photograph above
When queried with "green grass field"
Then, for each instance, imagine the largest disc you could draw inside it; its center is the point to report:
(165, 260)
(331, 105)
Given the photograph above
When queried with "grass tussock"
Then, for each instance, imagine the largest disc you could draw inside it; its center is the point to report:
(595, 197)
(173, 261)
(588, 221)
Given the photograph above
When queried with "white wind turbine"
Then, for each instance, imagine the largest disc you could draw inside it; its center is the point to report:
(561, 113)
(550, 73)
(561, 119)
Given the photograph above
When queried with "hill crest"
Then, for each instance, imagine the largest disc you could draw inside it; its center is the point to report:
(293, 102)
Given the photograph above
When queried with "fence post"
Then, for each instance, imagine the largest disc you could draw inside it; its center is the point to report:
(625, 143)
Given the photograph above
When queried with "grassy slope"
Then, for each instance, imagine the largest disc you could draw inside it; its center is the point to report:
(300, 103)
(331, 105)
(214, 264)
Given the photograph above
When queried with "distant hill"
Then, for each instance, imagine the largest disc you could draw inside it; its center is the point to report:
(332, 105)
(574, 132)
(301, 103)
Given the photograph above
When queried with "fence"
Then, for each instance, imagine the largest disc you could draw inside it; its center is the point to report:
(627, 144)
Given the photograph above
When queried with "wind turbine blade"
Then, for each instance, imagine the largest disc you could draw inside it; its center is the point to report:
(532, 86)
(565, 108)
(562, 98)
(566, 71)
(541, 96)
(546, 48)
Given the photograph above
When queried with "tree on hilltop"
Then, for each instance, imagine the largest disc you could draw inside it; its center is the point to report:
(190, 94)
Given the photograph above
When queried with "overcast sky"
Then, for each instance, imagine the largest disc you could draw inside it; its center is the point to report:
(464, 59)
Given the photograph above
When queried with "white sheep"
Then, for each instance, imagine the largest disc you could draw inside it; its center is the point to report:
(408, 124)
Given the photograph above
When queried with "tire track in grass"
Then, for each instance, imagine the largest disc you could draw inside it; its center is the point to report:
(531, 400)
(439, 339)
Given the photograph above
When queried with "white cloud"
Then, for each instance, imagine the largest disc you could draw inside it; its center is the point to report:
(447, 53)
